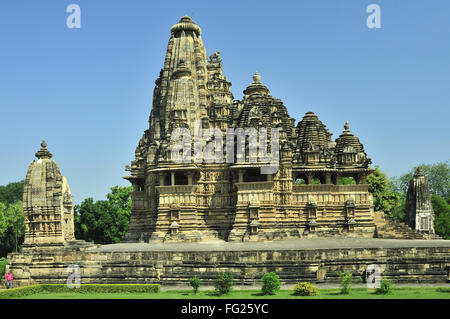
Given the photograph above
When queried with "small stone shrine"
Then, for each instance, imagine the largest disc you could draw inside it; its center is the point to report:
(47, 203)
(419, 210)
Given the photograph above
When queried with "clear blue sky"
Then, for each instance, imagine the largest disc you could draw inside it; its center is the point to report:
(88, 91)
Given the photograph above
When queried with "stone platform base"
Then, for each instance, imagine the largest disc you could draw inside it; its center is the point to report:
(314, 260)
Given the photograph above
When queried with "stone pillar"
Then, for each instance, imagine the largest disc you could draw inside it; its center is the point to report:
(172, 178)
(336, 179)
(362, 179)
(240, 176)
(190, 178)
(161, 179)
(328, 178)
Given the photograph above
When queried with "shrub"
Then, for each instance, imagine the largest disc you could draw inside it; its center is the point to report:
(84, 288)
(385, 287)
(224, 282)
(271, 283)
(195, 283)
(345, 279)
(2, 267)
(305, 289)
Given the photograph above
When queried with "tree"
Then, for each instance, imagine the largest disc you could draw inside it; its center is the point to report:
(441, 216)
(384, 198)
(399, 211)
(438, 176)
(11, 193)
(12, 224)
(347, 181)
(104, 221)
(12, 228)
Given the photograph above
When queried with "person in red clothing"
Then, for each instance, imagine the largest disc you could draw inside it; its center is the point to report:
(9, 278)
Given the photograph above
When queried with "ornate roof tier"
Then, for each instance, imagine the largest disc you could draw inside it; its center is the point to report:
(349, 150)
(185, 24)
(256, 86)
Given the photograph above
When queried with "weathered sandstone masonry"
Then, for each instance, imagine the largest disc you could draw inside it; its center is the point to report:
(173, 266)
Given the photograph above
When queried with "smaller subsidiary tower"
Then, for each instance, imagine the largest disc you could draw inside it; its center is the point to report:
(47, 203)
(419, 211)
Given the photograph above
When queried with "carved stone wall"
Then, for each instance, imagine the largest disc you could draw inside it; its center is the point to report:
(175, 267)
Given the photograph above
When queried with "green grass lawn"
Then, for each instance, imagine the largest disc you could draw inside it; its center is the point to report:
(357, 293)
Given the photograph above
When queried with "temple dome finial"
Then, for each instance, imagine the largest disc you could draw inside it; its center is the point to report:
(187, 25)
(43, 152)
(256, 86)
(418, 172)
(256, 77)
(347, 126)
(186, 18)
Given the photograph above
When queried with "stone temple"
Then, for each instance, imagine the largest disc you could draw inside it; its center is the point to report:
(47, 203)
(419, 210)
(194, 201)
(231, 202)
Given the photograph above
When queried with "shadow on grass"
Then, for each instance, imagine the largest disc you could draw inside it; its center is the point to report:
(335, 293)
(213, 293)
(443, 290)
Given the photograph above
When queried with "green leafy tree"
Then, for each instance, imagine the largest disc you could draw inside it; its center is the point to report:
(104, 221)
(399, 211)
(12, 227)
(347, 181)
(441, 216)
(2, 267)
(438, 176)
(11, 193)
(12, 224)
(384, 198)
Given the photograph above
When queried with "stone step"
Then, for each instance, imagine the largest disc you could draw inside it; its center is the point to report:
(387, 228)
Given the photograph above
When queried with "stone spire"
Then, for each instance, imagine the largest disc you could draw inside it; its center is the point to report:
(181, 93)
(419, 210)
(310, 130)
(47, 203)
(190, 88)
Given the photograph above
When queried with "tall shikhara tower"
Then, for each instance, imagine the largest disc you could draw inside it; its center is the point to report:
(194, 201)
